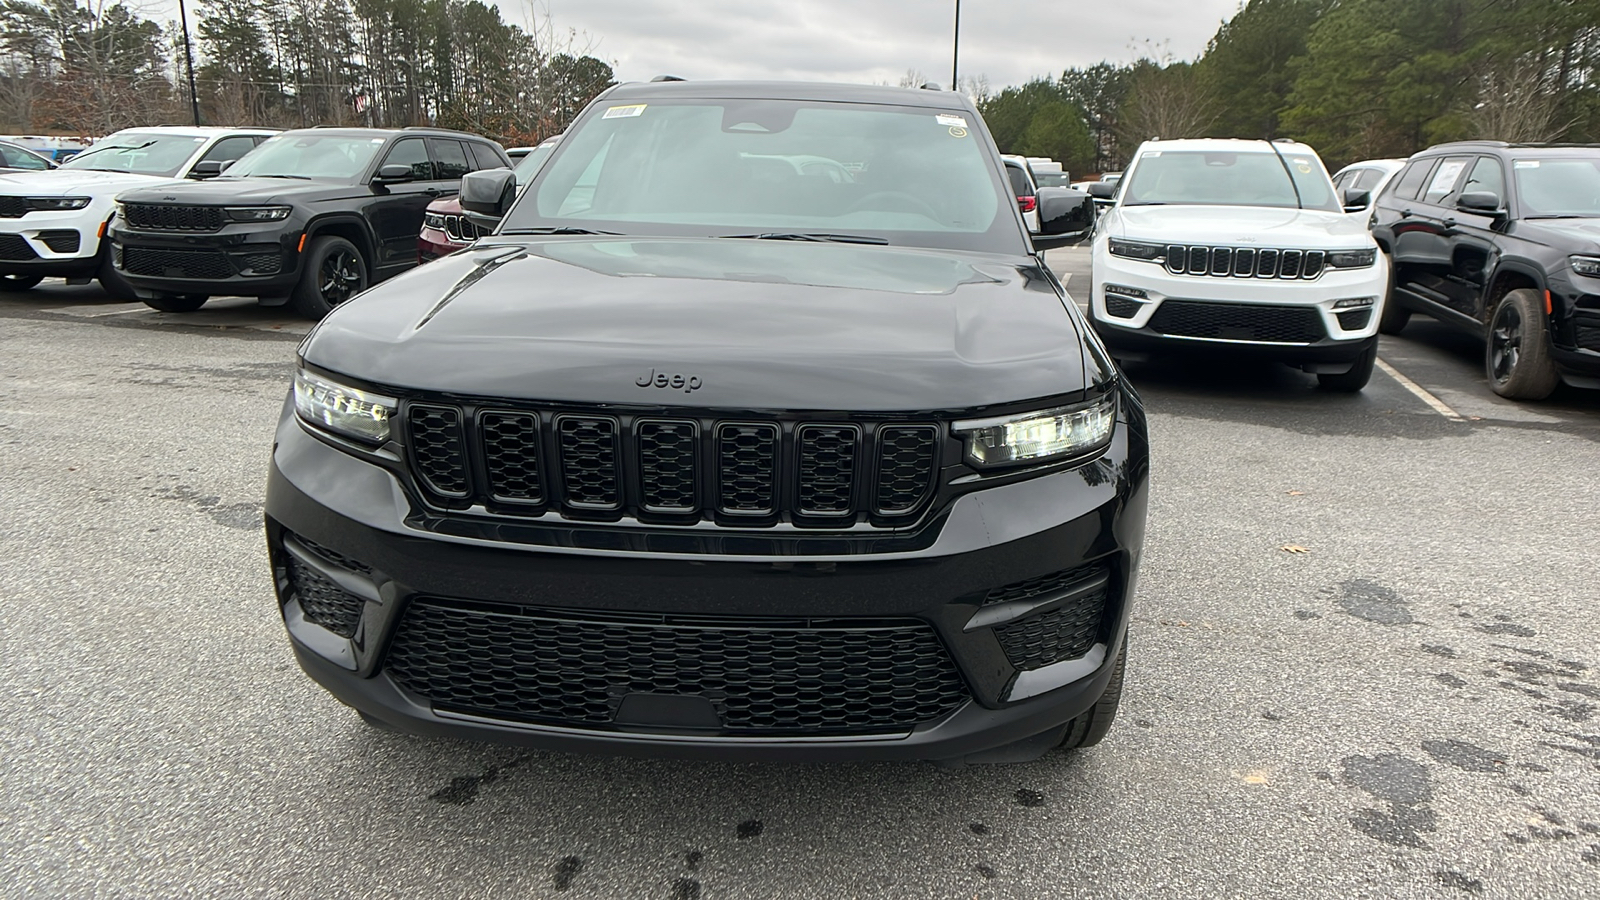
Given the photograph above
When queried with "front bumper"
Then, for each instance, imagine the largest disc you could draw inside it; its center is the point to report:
(249, 260)
(433, 243)
(351, 510)
(1126, 322)
(54, 244)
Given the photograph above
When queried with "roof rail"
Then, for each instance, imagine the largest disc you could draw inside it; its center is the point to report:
(668, 78)
(930, 86)
(1475, 144)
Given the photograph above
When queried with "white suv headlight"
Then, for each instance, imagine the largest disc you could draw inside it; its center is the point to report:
(344, 410)
(1046, 436)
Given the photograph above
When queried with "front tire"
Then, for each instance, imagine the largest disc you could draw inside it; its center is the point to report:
(1088, 729)
(1394, 317)
(112, 282)
(1516, 357)
(177, 303)
(16, 284)
(333, 273)
(1354, 380)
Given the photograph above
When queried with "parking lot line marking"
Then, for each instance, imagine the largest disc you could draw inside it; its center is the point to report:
(1421, 393)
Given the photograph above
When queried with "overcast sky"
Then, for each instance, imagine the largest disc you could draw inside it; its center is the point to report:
(869, 41)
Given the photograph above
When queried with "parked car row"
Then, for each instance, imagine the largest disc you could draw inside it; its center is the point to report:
(172, 216)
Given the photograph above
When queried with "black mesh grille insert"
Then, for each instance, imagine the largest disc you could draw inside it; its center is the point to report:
(1122, 307)
(157, 217)
(438, 450)
(1238, 322)
(1043, 584)
(667, 466)
(905, 466)
(208, 264)
(511, 456)
(333, 557)
(589, 461)
(16, 247)
(323, 602)
(61, 240)
(746, 464)
(783, 677)
(1355, 319)
(13, 207)
(1588, 337)
(827, 461)
(264, 263)
(1066, 632)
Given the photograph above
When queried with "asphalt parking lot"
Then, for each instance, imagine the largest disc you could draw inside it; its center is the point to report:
(1365, 662)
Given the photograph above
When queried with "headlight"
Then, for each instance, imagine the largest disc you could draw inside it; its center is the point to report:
(57, 203)
(345, 410)
(258, 213)
(1052, 434)
(433, 220)
(1586, 265)
(1136, 250)
(1352, 259)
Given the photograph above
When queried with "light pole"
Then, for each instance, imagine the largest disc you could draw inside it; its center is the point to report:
(955, 49)
(188, 59)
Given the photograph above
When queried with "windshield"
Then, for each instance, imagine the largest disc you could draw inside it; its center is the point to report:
(1052, 179)
(529, 165)
(901, 175)
(1229, 178)
(1558, 187)
(299, 154)
(144, 154)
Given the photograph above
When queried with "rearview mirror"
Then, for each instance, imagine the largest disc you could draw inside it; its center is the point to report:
(486, 195)
(1103, 190)
(206, 168)
(1355, 200)
(1066, 217)
(395, 172)
(1483, 202)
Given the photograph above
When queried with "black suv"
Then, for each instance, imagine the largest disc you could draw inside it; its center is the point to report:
(311, 217)
(758, 430)
(1503, 241)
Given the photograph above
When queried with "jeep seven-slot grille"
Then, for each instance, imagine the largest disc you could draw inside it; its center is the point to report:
(460, 229)
(159, 217)
(1244, 262)
(754, 677)
(678, 470)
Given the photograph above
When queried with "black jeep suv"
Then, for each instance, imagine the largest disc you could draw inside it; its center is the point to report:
(1503, 241)
(311, 217)
(758, 430)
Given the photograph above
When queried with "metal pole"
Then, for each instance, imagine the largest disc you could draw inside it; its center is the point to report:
(955, 49)
(188, 58)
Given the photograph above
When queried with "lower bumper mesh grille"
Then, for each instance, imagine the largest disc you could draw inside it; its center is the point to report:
(1066, 632)
(1589, 337)
(762, 678)
(16, 247)
(323, 602)
(1239, 322)
(209, 264)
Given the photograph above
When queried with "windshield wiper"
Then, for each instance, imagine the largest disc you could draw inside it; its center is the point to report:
(1565, 216)
(300, 177)
(554, 230)
(809, 236)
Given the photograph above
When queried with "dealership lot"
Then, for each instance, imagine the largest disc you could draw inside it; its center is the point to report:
(1363, 664)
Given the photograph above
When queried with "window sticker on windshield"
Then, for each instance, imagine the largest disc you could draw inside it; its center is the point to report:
(1149, 153)
(1525, 164)
(953, 121)
(378, 140)
(957, 131)
(625, 112)
(1304, 165)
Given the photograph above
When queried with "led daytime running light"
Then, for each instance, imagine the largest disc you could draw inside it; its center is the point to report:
(344, 410)
(1053, 434)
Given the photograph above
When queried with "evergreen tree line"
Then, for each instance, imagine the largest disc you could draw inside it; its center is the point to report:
(1356, 79)
(90, 67)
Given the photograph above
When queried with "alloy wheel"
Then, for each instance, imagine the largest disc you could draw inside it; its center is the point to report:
(1505, 342)
(340, 276)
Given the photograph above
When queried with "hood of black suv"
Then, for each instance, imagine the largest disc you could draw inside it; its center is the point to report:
(724, 323)
(246, 192)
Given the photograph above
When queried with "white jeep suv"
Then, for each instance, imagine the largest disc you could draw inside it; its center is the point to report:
(1241, 247)
(51, 222)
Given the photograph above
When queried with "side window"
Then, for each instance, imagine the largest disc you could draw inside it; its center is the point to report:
(1486, 176)
(1343, 179)
(485, 156)
(411, 152)
(230, 148)
(1444, 179)
(451, 158)
(1368, 179)
(18, 158)
(1410, 180)
(1019, 182)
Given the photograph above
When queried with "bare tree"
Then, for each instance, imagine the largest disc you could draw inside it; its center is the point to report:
(1517, 101)
(1165, 101)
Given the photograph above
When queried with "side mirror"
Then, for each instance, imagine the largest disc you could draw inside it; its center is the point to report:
(1066, 217)
(394, 173)
(1485, 203)
(1103, 190)
(486, 195)
(206, 168)
(1354, 200)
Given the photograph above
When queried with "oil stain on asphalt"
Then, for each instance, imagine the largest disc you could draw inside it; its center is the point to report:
(1401, 783)
(1373, 602)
